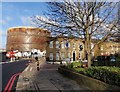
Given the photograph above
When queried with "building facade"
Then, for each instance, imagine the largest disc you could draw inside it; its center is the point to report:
(109, 47)
(27, 39)
(72, 49)
(65, 48)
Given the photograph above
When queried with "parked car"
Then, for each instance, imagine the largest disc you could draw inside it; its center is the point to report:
(112, 58)
(105, 58)
(100, 58)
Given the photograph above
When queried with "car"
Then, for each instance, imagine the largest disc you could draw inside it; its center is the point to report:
(100, 58)
(105, 58)
(112, 58)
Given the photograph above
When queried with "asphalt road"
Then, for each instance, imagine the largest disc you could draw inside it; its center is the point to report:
(9, 69)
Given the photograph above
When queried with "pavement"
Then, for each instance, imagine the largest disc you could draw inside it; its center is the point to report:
(45, 78)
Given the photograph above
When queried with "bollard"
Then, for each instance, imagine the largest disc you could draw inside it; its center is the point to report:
(38, 66)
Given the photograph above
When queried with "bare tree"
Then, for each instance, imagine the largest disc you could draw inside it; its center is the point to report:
(87, 20)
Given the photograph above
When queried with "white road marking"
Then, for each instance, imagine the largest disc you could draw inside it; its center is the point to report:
(31, 69)
(27, 68)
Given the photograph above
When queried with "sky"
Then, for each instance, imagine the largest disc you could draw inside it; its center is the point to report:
(18, 14)
(13, 14)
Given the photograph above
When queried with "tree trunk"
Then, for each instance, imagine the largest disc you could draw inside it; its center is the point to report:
(88, 48)
(89, 52)
(89, 59)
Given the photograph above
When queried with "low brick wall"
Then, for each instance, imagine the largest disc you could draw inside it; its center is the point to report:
(86, 81)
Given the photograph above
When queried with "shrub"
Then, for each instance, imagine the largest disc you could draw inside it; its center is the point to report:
(110, 75)
(70, 66)
(74, 65)
(80, 70)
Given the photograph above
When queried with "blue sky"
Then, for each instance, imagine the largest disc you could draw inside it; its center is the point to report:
(18, 14)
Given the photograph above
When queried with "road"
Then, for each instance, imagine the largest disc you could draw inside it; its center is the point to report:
(9, 69)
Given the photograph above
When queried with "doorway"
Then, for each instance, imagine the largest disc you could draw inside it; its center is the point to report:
(73, 56)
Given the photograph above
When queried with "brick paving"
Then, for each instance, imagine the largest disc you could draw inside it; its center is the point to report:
(47, 78)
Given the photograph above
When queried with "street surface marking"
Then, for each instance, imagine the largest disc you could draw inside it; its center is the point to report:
(10, 83)
(31, 69)
(27, 68)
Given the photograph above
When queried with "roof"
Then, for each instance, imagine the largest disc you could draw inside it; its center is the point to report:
(28, 27)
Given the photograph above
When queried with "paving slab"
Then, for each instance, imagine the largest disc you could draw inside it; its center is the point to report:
(47, 78)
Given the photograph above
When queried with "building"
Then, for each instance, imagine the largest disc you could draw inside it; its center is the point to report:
(26, 39)
(3, 55)
(2, 50)
(62, 48)
(29, 39)
(109, 47)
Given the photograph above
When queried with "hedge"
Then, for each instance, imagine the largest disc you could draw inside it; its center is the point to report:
(110, 75)
(106, 63)
(74, 65)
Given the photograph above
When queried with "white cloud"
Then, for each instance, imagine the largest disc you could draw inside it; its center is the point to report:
(2, 39)
(26, 10)
(8, 18)
(27, 21)
(0, 32)
(3, 22)
(3, 32)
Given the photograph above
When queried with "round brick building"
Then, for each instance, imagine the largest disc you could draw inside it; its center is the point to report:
(27, 38)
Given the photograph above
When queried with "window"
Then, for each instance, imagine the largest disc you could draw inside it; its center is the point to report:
(57, 56)
(111, 47)
(63, 55)
(74, 44)
(68, 54)
(117, 48)
(80, 56)
(101, 47)
(62, 44)
(57, 44)
(67, 44)
(80, 47)
(51, 44)
(101, 53)
(51, 56)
